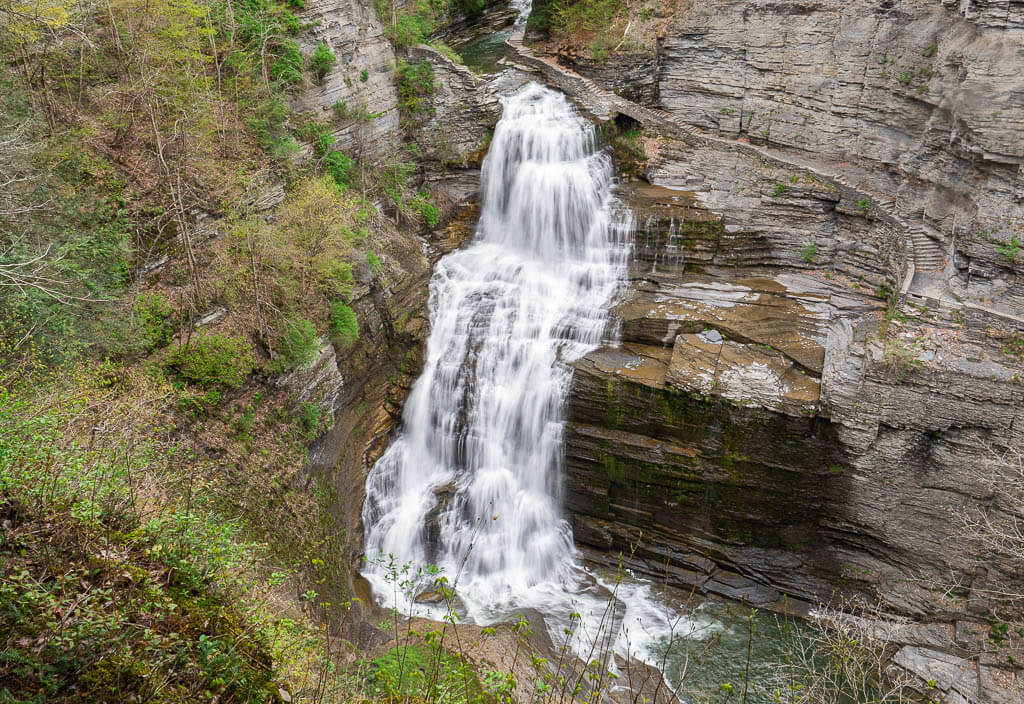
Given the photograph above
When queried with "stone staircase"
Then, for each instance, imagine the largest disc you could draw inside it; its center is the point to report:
(927, 254)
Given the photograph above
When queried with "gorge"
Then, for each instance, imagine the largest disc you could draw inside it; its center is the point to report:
(622, 317)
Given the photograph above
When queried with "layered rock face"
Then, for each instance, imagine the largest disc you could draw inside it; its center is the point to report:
(844, 143)
(351, 30)
(764, 433)
(926, 97)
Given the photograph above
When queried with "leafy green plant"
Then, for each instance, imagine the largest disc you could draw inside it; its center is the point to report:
(425, 208)
(322, 61)
(415, 86)
(364, 75)
(298, 344)
(341, 168)
(929, 51)
(808, 252)
(447, 52)
(864, 205)
(780, 190)
(310, 420)
(212, 360)
(1010, 249)
(344, 324)
(287, 69)
(376, 266)
(155, 317)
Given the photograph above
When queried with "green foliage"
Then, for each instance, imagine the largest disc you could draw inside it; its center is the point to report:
(322, 61)
(864, 205)
(268, 123)
(415, 23)
(212, 361)
(340, 167)
(311, 420)
(415, 86)
(290, 23)
(287, 68)
(364, 75)
(376, 266)
(422, 673)
(344, 324)
(780, 190)
(808, 252)
(155, 317)
(98, 603)
(564, 18)
(1010, 249)
(425, 208)
(298, 344)
(67, 242)
(929, 51)
(447, 52)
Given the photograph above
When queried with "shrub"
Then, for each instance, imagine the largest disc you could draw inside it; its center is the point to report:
(340, 167)
(364, 75)
(322, 61)
(447, 52)
(426, 209)
(298, 343)
(412, 28)
(268, 122)
(310, 421)
(155, 318)
(212, 360)
(344, 325)
(287, 69)
(808, 252)
(864, 205)
(779, 190)
(415, 86)
(290, 23)
(1010, 249)
(376, 266)
(340, 108)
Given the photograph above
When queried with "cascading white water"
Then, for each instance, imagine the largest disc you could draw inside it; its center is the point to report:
(471, 483)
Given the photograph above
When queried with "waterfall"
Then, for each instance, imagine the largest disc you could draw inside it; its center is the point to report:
(472, 481)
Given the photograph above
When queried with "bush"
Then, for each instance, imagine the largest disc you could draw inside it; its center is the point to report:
(426, 209)
(376, 266)
(298, 344)
(364, 75)
(268, 123)
(1010, 249)
(311, 422)
(212, 360)
(322, 61)
(413, 28)
(287, 69)
(155, 318)
(415, 86)
(344, 325)
(340, 167)
(808, 252)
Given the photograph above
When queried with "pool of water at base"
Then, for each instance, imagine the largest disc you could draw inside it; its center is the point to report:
(719, 649)
(482, 55)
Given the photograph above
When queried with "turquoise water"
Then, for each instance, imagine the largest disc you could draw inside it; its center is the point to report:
(482, 55)
(719, 647)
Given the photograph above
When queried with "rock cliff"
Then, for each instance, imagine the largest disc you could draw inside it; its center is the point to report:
(819, 331)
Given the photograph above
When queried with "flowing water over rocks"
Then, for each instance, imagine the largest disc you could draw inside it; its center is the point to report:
(471, 484)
